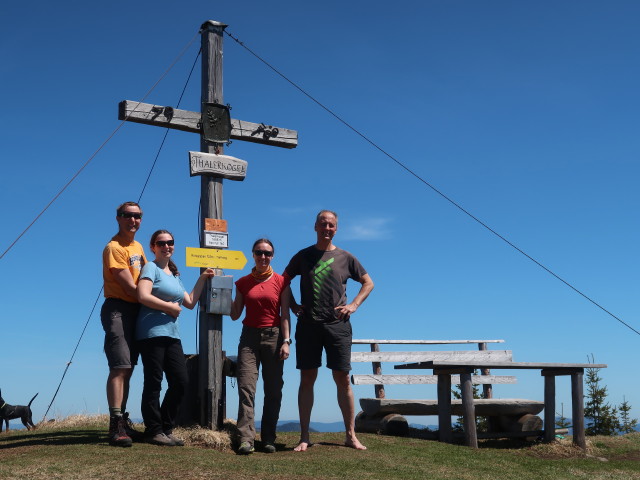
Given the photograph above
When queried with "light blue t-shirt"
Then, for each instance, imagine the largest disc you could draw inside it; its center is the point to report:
(154, 323)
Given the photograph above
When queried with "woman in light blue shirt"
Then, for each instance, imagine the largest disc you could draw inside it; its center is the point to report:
(162, 295)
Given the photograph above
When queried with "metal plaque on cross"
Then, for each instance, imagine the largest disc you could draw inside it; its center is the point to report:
(216, 123)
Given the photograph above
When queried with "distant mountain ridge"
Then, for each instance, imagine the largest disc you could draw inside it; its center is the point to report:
(294, 426)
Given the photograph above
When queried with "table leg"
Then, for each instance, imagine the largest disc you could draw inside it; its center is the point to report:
(468, 409)
(445, 433)
(549, 408)
(577, 400)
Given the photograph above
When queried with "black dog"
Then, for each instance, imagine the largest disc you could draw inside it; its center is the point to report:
(9, 412)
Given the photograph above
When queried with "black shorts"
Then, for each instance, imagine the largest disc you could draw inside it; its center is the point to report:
(335, 338)
(119, 323)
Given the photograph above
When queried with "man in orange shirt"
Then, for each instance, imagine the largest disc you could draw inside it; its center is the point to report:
(122, 260)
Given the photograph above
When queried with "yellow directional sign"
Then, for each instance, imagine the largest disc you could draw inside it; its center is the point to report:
(212, 258)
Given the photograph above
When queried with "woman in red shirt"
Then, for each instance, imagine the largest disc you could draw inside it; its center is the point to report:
(264, 341)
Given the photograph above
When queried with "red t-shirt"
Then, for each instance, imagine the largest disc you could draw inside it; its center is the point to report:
(262, 300)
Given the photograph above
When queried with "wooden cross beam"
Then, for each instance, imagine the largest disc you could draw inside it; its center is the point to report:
(187, 121)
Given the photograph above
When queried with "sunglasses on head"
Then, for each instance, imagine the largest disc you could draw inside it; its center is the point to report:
(266, 253)
(137, 216)
(162, 243)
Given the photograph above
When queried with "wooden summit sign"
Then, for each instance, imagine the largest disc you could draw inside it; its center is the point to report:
(223, 166)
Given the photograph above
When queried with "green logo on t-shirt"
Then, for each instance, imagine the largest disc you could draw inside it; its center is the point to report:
(320, 275)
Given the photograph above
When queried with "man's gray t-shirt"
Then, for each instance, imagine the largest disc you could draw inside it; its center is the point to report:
(323, 281)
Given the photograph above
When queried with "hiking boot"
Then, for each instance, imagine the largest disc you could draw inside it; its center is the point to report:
(178, 441)
(246, 448)
(134, 434)
(269, 448)
(117, 435)
(160, 439)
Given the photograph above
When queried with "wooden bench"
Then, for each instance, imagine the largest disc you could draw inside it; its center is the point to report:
(380, 414)
(549, 371)
(376, 358)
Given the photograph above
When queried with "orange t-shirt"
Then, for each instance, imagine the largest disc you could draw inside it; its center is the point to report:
(118, 254)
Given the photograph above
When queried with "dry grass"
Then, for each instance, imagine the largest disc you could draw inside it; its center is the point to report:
(561, 448)
(74, 421)
(202, 437)
(192, 436)
(598, 447)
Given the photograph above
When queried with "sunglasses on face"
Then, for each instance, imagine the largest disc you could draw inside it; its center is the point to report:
(162, 243)
(137, 216)
(266, 253)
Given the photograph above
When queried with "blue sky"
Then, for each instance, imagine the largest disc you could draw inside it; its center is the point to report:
(525, 113)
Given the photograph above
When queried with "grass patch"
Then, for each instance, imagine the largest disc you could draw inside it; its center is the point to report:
(76, 448)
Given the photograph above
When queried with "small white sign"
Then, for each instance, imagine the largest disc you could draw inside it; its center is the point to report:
(216, 239)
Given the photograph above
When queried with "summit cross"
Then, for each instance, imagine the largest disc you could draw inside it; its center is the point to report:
(210, 394)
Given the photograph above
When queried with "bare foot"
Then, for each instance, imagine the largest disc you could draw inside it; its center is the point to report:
(302, 446)
(354, 443)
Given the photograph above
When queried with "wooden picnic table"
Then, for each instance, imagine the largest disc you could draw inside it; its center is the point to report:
(444, 370)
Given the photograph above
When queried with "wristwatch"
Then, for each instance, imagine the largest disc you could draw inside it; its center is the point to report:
(288, 341)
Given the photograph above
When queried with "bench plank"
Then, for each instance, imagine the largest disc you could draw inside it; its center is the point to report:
(483, 407)
(466, 356)
(458, 363)
(421, 342)
(427, 379)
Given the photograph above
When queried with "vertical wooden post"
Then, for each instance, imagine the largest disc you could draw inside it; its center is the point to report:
(377, 370)
(487, 390)
(468, 410)
(549, 406)
(210, 329)
(577, 400)
(445, 434)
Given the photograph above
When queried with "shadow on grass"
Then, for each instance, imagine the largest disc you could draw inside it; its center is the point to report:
(507, 444)
(280, 447)
(330, 444)
(52, 437)
(458, 439)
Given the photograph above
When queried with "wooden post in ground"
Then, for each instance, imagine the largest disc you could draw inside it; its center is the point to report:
(445, 433)
(377, 370)
(468, 409)
(210, 328)
(577, 401)
(549, 407)
(487, 389)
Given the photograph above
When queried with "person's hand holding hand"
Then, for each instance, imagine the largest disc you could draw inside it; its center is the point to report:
(173, 309)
